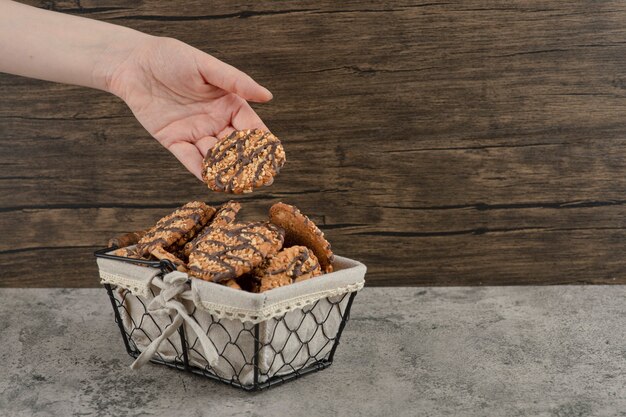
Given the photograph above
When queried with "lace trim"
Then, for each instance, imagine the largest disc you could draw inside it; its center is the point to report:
(133, 285)
(222, 311)
(277, 309)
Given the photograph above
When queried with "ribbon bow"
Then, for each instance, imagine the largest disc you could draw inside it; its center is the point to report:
(172, 286)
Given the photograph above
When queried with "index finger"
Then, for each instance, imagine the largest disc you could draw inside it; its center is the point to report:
(246, 118)
(189, 155)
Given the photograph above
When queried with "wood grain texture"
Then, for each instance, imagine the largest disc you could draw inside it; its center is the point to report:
(456, 143)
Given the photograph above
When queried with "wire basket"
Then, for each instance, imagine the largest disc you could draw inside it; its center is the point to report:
(251, 356)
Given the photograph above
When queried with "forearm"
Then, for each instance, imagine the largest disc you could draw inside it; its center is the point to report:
(57, 47)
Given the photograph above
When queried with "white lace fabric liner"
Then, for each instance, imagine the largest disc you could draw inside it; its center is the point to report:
(225, 302)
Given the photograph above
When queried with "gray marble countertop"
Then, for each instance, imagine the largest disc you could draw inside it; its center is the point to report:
(474, 351)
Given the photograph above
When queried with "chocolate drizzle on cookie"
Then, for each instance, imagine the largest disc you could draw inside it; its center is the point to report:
(230, 251)
(296, 265)
(228, 166)
(226, 214)
(176, 228)
(293, 264)
(223, 217)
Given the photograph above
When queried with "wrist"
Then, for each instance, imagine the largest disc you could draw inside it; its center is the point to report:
(119, 50)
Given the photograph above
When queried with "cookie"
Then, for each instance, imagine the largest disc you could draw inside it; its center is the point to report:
(127, 253)
(293, 264)
(299, 230)
(161, 254)
(243, 160)
(174, 230)
(233, 250)
(224, 216)
(232, 283)
(127, 239)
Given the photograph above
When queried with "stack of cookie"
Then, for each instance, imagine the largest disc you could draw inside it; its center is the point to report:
(210, 244)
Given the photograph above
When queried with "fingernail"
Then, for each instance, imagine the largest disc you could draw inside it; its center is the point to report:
(268, 92)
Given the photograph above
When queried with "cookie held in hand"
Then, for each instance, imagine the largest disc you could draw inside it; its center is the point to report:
(293, 264)
(243, 160)
(299, 230)
(230, 251)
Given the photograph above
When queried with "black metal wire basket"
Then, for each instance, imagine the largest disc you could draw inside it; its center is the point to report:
(252, 356)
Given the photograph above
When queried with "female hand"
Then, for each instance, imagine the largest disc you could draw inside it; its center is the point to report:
(184, 97)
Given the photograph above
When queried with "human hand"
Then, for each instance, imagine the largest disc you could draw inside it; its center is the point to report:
(184, 97)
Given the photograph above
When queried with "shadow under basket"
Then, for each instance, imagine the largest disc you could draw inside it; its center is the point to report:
(259, 340)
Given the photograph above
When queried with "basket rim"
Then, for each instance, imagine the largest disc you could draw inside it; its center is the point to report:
(227, 302)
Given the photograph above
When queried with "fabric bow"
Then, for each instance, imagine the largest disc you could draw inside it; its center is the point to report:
(172, 286)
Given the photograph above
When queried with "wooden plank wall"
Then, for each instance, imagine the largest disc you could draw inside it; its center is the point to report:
(442, 143)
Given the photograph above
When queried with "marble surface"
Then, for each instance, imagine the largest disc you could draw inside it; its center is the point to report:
(473, 351)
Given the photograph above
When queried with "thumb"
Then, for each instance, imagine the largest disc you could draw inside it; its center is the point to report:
(229, 78)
